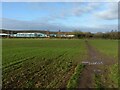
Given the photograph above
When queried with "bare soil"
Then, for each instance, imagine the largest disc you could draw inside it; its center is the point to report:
(96, 64)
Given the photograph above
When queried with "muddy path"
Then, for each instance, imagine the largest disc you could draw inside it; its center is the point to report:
(95, 65)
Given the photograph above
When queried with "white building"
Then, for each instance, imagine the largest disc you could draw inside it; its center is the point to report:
(70, 35)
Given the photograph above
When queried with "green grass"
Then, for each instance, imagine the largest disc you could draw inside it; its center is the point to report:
(109, 48)
(74, 80)
(40, 63)
(49, 63)
(98, 84)
(114, 75)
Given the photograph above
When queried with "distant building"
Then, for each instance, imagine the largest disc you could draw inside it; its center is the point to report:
(28, 35)
(37, 35)
(4, 35)
(53, 35)
(62, 35)
(70, 35)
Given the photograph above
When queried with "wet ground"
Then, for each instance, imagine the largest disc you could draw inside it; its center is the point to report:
(95, 64)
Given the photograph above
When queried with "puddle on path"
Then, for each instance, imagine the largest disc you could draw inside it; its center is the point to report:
(92, 63)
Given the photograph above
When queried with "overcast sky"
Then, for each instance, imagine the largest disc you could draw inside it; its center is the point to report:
(66, 16)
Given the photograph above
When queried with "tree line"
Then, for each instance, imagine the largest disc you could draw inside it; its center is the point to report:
(113, 34)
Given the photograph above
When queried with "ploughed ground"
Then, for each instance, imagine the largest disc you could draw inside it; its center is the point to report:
(96, 71)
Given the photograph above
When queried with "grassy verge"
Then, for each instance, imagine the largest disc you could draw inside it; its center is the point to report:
(73, 82)
(114, 75)
(98, 84)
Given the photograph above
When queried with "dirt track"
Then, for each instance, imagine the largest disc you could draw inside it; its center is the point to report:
(96, 64)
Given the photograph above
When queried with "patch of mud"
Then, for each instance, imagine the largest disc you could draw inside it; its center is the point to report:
(95, 64)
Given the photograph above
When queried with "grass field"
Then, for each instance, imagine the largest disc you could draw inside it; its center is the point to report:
(40, 63)
(109, 48)
(49, 63)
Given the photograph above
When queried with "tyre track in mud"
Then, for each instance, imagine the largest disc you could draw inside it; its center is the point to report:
(94, 65)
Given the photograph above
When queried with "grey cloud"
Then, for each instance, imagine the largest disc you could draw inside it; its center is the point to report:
(29, 25)
(110, 14)
(109, 27)
(100, 28)
(79, 10)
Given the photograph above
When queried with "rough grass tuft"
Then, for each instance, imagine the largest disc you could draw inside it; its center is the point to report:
(73, 82)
